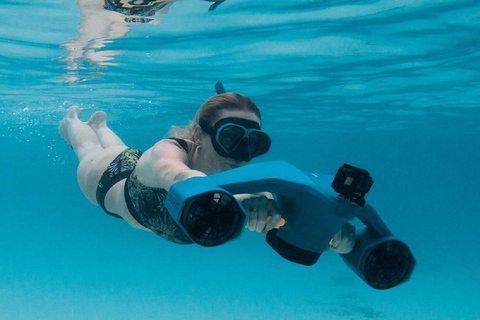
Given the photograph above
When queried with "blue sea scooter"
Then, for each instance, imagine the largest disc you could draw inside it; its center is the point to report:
(314, 207)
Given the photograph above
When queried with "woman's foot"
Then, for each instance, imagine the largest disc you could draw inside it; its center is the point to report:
(98, 120)
(72, 114)
(107, 138)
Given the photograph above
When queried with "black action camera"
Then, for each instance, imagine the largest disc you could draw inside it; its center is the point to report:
(352, 183)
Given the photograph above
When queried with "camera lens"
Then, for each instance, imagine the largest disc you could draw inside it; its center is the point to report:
(364, 185)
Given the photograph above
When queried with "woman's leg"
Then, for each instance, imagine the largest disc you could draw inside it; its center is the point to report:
(96, 147)
(94, 159)
(79, 136)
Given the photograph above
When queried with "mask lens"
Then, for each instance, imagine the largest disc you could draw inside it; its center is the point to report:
(230, 136)
(259, 143)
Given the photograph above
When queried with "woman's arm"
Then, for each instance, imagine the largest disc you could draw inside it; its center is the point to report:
(167, 163)
(164, 164)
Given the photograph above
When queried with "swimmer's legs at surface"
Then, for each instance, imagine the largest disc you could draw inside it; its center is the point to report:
(94, 159)
(107, 138)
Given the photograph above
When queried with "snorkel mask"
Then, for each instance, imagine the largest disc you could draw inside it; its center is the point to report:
(237, 138)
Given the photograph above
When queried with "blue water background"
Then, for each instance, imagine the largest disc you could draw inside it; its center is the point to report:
(389, 86)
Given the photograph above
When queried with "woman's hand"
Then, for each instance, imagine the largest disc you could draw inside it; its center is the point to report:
(263, 213)
(344, 240)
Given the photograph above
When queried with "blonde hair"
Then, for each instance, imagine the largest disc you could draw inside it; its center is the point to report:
(211, 108)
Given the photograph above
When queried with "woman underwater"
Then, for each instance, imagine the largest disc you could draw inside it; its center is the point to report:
(225, 134)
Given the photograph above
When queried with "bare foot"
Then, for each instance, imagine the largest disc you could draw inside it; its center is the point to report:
(98, 120)
(72, 113)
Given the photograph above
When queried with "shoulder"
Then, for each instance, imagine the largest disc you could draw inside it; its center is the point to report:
(169, 150)
(160, 164)
(171, 144)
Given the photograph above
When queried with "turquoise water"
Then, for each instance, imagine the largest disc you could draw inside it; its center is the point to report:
(389, 86)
